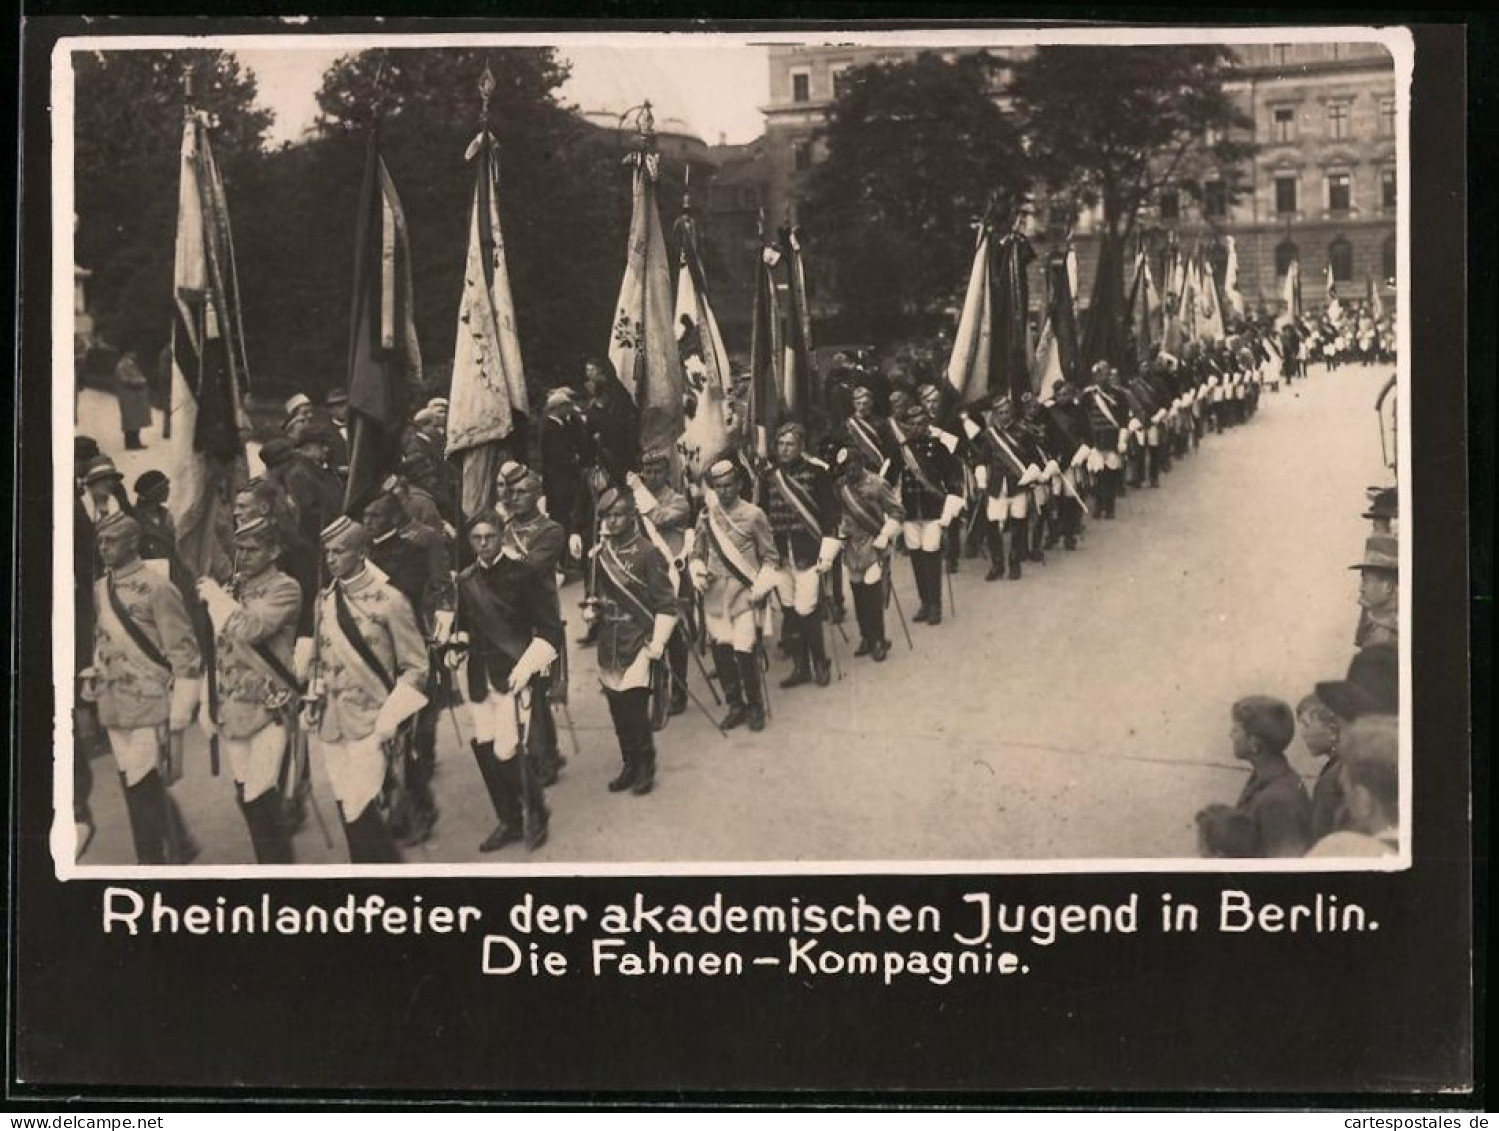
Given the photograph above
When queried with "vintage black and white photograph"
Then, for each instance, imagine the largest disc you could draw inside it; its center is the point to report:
(599, 453)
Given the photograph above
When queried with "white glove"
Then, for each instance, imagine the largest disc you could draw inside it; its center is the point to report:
(301, 657)
(1080, 456)
(1030, 475)
(221, 606)
(575, 545)
(888, 533)
(442, 626)
(981, 476)
(633, 480)
(697, 569)
(952, 506)
(1052, 470)
(402, 702)
(826, 554)
(537, 657)
(970, 429)
(185, 696)
(764, 582)
(666, 623)
(1123, 440)
(456, 653)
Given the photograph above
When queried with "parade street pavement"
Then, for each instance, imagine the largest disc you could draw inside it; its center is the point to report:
(1081, 713)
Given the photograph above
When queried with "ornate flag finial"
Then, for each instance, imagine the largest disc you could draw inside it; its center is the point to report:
(486, 89)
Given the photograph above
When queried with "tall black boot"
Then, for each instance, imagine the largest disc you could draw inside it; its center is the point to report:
(816, 651)
(750, 676)
(837, 612)
(934, 586)
(952, 546)
(1019, 539)
(726, 664)
(1108, 490)
(800, 672)
(489, 771)
(995, 539)
(369, 839)
(918, 571)
(676, 660)
(182, 846)
(535, 816)
(267, 834)
(146, 802)
(506, 796)
(861, 616)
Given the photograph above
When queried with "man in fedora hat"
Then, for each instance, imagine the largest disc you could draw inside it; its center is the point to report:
(1384, 509)
(103, 490)
(1378, 592)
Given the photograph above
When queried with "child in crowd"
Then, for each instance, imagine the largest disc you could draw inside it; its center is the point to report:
(1273, 800)
(1320, 727)
(1370, 773)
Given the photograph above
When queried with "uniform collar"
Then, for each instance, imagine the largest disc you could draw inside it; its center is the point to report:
(361, 580)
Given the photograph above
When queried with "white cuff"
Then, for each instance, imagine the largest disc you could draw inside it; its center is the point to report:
(442, 625)
(764, 582)
(1030, 475)
(185, 696)
(666, 623)
(220, 605)
(981, 476)
(890, 530)
(402, 702)
(970, 429)
(537, 657)
(828, 550)
(952, 506)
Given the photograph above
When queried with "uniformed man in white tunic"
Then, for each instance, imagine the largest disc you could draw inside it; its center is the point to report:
(145, 679)
(255, 628)
(371, 665)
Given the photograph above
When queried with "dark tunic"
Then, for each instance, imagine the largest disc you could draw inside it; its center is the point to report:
(503, 607)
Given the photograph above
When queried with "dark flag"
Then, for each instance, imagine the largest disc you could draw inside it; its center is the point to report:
(1103, 337)
(766, 352)
(209, 373)
(385, 362)
(1060, 272)
(1010, 350)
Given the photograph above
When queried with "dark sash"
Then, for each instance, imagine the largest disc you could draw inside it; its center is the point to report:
(620, 577)
(1008, 450)
(866, 437)
(913, 464)
(871, 522)
(346, 625)
(278, 669)
(492, 619)
(137, 635)
(800, 501)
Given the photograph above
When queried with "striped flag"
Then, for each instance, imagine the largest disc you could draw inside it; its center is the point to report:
(705, 362)
(488, 398)
(385, 362)
(1231, 295)
(1145, 310)
(968, 367)
(799, 373)
(643, 345)
(209, 373)
(1057, 353)
(766, 352)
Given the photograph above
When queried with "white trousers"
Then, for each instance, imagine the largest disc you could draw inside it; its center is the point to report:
(496, 720)
(739, 632)
(926, 536)
(256, 761)
(798, 589)
(137, 751)
(356, 770)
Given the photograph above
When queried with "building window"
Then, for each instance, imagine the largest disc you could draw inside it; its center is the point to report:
(1337, 120)
(1214, 199)
(801, 155)
(1389, 260)
(1285, 255)
(1285, 194)
(1170, 204)
(1283, 123)
(1340, 256)
(842, 75)
(801, 86)
(1387, 117)
(1387, 189)
(1339, 192)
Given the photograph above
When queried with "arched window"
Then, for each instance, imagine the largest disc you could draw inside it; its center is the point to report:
(1340, 255)
(1285, 254)
(1389, 259)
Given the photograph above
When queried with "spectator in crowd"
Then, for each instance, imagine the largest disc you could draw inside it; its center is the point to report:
(1378, 592)
(1370, 773)
(134, 393)
(1273, 799)
(1320, 728)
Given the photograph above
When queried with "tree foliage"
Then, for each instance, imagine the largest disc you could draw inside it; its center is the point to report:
(126, 161)
(916, 151)
(1113, 126)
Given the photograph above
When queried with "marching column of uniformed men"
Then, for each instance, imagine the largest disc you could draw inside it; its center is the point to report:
(366, 626)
